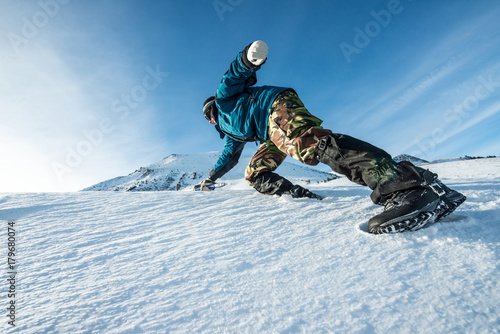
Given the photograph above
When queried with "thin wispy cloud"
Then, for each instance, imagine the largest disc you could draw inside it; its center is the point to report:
(418, 104)
(65, 125)
(395, 101)
(444, 60)
(462, 107)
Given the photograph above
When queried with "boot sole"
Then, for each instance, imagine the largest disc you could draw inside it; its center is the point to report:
(450, 206)
(443, 209)
(413, 224)
(409, 222)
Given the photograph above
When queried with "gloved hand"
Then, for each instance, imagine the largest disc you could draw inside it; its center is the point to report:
(299, 192)
(205, 183)
(257, 53)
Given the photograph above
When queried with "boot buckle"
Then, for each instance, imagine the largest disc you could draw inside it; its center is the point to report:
(437, 188)
(323, 143)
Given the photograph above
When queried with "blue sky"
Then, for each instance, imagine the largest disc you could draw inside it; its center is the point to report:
(96, 89)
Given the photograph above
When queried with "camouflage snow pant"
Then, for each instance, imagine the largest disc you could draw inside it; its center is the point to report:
(292, 131)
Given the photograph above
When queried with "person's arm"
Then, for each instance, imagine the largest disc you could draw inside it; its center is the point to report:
(227, 160)
(241, 73)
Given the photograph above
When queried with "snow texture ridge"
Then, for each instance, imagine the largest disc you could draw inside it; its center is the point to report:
(236, 261)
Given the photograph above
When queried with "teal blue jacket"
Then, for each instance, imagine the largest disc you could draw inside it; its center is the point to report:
(242, 111)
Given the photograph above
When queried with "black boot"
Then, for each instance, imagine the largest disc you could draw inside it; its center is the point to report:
(413, 209)
(408, 209)
(412, 196)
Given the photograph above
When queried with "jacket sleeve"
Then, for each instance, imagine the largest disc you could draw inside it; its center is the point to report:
(228, 159)
(241, 74)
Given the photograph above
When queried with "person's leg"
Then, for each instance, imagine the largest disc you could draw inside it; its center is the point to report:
(267, 158)
(367, 165)
(298, 133)
(293, 129)
(412, 196)
(260, 174)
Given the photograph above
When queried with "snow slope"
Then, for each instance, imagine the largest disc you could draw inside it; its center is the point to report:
(235, 261)
(183, 171)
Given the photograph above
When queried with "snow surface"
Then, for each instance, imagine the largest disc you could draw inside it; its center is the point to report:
(235, 261)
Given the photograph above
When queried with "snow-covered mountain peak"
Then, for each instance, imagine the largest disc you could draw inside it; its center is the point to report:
(182, 171)
(410, 158)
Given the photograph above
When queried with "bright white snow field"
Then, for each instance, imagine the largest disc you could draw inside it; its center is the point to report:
(235, 261)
